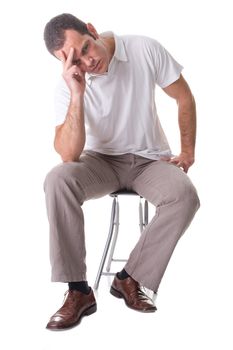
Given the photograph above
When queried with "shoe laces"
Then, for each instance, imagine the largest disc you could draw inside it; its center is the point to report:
(68, 297)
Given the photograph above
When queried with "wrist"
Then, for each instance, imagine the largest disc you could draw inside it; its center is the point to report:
(189, 151)
(77, 97)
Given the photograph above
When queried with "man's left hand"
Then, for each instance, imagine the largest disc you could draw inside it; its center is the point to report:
(183, 161)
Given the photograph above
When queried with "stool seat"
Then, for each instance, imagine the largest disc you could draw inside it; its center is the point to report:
(124, 191)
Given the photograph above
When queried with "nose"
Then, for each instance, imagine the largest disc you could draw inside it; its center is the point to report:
(88, 61)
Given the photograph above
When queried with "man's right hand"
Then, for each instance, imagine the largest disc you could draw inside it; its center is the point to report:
(74, 77)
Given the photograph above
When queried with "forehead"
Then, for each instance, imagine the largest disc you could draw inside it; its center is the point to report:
(72, 39)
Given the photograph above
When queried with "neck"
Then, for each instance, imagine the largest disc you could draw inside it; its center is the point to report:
(109, 43)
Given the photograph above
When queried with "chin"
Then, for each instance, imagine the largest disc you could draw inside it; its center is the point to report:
(104, 68)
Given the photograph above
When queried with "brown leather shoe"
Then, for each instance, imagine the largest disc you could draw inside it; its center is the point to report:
(134, 297)
(76, 306)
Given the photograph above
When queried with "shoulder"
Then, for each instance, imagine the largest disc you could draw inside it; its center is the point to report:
(141, 41)
(142, 47)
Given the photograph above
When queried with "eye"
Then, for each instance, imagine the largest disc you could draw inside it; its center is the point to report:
(85, 48)
(77, 62)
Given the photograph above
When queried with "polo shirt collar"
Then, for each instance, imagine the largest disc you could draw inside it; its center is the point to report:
(119, 55)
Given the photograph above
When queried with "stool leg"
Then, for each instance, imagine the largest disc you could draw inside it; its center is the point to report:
(146, 213)
(109, 238)
(115, 236)
(140, 215)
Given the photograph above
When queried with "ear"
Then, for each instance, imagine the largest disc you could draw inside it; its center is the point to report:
(92, 30)
(60, 55)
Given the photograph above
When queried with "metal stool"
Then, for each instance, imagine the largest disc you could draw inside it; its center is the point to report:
(113, 232)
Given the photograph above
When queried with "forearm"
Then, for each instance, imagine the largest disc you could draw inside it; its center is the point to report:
(187, 124)
(70, 137)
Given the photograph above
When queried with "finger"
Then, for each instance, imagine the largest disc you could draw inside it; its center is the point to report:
(74, 70)
(69, 61)
(78, 77)
(185, 168)
(180, 165)
(75, 73)
(177, 162)
(166, 159)
(174, 161)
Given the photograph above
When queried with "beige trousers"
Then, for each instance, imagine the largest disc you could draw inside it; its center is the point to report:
(164, 185)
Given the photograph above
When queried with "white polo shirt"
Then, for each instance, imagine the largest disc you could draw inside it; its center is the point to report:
(119, 106)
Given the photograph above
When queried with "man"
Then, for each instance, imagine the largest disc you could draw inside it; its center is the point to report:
(109, 137)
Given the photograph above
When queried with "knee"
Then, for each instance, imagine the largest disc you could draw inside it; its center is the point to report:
(58, 177)
(179, 191)
(193, 198)
(188, 197)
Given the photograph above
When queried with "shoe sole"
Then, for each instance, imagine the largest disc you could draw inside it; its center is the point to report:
(119, 295)
(89, 311)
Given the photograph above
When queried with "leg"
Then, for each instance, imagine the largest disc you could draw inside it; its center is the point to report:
(67, 186)
(171, 191)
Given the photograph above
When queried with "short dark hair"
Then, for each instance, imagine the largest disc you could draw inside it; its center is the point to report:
(54, 32)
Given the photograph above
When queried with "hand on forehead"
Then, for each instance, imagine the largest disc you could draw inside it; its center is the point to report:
(63, 56)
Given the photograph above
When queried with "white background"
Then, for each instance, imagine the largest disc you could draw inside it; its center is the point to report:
(195, 298)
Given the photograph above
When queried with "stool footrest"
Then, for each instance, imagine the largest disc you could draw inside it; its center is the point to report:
(120, 260)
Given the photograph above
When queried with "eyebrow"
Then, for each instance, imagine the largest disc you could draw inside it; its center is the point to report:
(82, 49)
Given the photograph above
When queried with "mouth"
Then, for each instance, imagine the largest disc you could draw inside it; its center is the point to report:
(96, 67)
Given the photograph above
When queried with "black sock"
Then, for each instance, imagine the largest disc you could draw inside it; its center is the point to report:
(122, 274)
(81, 286)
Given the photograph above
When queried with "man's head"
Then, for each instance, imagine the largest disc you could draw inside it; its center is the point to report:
(91, 53)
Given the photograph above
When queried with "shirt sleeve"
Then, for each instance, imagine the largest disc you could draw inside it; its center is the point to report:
(167, 69)
(61, 102)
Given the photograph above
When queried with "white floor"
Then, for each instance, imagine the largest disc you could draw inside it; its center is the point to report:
(195, 300)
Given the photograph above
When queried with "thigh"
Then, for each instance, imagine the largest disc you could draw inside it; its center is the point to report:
(161, 182)
(91, 175)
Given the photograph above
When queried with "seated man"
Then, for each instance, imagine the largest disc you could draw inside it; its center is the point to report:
(109, 137)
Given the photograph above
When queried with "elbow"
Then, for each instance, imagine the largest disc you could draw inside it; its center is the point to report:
(193, 100)
(187, 101)
(66, 155)
(69, 158)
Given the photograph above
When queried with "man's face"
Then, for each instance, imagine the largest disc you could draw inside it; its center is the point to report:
(90, 55)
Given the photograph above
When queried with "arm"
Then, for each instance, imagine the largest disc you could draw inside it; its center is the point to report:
(70, 136)
(180, 91)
